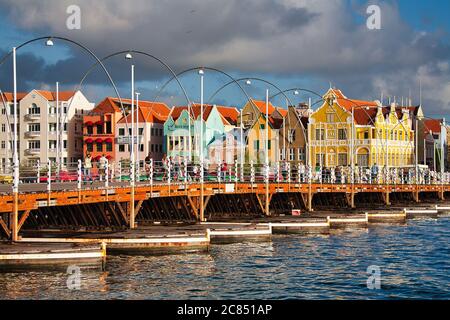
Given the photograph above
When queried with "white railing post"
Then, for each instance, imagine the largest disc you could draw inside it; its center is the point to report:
(169, 172)
(252, 172)
(79, 175)
(277, 169)
(49, 176)
(38, 174)
(120, 171)
(236, 171)
(289, 172)
(107, 174)
(242, 172)
(186, 171)
(202, 172)
(150, 174)
(219, 172)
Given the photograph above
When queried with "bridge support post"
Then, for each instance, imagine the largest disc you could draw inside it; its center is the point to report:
(441, 194)
(386, 198)
(15, 218)
(416, 196)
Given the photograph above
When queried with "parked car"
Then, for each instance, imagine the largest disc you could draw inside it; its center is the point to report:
(6, 179)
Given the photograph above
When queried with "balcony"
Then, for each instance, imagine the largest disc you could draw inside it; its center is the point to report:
(32, 152)
(33, 117)
(32, 134)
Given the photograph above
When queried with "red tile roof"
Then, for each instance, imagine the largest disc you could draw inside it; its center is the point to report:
(106, 106)
(9, 96)
(51, 95)
(149, 112)
(432, 124)
(261, 105)
(229, 114)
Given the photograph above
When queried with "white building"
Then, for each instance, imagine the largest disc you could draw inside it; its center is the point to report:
(150, 121)
(37, 127)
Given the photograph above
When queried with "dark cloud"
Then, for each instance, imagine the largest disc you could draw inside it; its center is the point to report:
(285, 39)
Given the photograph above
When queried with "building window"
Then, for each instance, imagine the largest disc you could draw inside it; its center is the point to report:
(121, 147)
(90, 130)
(301, 154)
(152, 132)
(100, 129)
(291, 154)
(341, 134)
(141, 131)
(109, 147)
(269, 145)
(34, 144)
(291, 137)
(262, 126)
(342, 159)
(160, 132)
(366, 135)
(320, 134)
(3, 144)
(52, 144)
(52, 127)
(99, 147)
(34, 127)
(121, 132)
(34, 109)
(64, 144)
(256, 145)
(330, 117)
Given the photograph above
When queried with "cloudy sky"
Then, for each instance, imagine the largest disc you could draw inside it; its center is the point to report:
(293, 43)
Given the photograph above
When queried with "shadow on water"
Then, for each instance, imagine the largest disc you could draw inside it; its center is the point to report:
(413, 260)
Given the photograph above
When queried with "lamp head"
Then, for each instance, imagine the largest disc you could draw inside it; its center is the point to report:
(49, 42)
(296, 93)
(201, 72)
(128, 56)
(248, 82)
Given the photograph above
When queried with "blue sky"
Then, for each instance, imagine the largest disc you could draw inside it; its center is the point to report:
(303, 43)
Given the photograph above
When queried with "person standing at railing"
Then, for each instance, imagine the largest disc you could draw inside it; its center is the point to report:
(338, 173)
(374, 173)
(88, 168)
(102, 166)
(147, 161)
(301, 168)
(165, 167)
(223, 170)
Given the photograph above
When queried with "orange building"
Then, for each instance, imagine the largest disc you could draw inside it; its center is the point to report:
(99, 128)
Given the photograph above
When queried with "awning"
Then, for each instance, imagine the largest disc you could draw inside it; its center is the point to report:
(88, 123)
(89, 140)
(108, 157)
(108, 140)
(99, 140)
(100, 122)
(97, 158)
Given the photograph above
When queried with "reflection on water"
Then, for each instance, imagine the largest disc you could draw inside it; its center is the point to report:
(414, 261)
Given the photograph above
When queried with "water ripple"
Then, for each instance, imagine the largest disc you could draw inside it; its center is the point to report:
(413, 260)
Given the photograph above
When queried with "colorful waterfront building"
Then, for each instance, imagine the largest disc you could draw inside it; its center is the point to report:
(99, 128)
(435, 141)
(344, 131)
(182, 130)
(293, 134)
(150, 118)
(38, 118)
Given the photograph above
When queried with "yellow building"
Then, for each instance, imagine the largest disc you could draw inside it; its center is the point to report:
(345, 131)
(256, 141)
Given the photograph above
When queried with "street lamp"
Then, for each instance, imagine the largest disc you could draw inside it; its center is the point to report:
(49, 42)
(202, 209)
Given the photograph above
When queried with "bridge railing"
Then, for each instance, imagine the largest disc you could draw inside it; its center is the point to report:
(105, 174)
